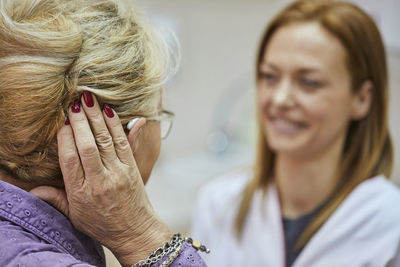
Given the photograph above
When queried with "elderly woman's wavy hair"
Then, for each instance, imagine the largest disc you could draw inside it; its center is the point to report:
(53, 50)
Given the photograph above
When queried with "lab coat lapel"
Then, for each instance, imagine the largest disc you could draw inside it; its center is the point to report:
(269, 235)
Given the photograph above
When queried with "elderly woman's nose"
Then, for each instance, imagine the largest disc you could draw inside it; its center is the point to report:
(283, 93)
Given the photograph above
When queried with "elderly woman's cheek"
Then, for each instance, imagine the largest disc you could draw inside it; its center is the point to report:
(147, 149)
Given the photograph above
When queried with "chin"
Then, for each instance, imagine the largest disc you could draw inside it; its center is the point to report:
(288, 146)
(286, 150)
(145, 178)
(146, 175)
(145, 166)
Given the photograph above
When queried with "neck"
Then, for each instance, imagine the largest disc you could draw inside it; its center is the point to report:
(11, 180)
(304, 183)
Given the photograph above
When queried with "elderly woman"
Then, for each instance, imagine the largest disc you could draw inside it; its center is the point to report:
(319, 193)
(55, 57)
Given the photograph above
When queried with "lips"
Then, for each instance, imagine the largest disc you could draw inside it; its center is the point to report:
(286, 126)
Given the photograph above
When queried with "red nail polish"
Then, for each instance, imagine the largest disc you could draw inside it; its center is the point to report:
(76, 106)
(108, 110)
(67, 121)
(88, 98)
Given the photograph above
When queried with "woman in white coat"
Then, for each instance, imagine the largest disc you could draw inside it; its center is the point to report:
(319, 193)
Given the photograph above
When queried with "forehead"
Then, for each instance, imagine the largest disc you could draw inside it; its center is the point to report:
(305, 45)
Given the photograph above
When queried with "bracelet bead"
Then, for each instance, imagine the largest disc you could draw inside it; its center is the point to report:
(196, 244)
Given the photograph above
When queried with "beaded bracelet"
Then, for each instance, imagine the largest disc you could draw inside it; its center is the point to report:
(174, 248)
(196, 244)
(161, 252)
(172, 257)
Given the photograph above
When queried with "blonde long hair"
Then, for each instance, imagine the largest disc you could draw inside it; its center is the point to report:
(368, 148)
(53, 50)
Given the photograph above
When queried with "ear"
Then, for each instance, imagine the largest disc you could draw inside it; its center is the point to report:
(135, 128)
(362, 101)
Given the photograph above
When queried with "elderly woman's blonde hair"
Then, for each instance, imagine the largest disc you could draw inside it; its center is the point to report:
(53, 50)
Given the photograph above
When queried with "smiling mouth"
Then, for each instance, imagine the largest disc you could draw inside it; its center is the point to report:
(286, 126)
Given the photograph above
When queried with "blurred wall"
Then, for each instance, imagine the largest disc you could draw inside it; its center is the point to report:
(213, 93)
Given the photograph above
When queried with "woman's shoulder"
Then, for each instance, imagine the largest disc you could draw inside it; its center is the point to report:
(383, 190)
(386, 196)
(226, 186)
(24, 248)
(375, 201)
(222, 194)
(216, 207)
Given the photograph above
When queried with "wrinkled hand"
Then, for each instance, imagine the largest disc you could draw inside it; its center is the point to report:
(104, 194)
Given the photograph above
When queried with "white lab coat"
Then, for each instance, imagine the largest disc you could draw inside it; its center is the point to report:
(363, 232)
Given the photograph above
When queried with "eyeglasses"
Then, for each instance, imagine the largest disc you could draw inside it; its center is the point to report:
(166, 120)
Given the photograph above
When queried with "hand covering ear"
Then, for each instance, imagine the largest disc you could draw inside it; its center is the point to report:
(104, 193)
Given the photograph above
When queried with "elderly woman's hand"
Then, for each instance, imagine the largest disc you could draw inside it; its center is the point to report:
(104, 194)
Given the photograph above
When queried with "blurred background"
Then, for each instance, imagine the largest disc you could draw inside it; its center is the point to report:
(213, 93)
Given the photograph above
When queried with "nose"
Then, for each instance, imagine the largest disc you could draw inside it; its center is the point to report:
(283, 95)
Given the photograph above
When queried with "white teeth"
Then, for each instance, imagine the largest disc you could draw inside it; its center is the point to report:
(285, 126)
(286, 122)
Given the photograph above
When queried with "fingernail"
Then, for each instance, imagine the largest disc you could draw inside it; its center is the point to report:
(67, 121)
(131, 123)
(76, 107)
(88, 98)
(108, 110)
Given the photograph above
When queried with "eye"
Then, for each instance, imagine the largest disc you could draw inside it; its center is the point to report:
(268, 76)
(310, 83)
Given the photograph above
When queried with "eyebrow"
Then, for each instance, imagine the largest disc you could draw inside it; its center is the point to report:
(308, 70)
(266, 64)
(305, 70)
